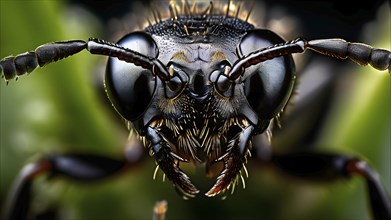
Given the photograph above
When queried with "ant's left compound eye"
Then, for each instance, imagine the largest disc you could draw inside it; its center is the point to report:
(130, 88)
(267, 85)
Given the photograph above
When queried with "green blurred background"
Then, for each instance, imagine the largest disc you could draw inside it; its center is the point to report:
(59, 109)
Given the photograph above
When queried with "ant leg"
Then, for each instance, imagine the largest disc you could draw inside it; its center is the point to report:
(79, 167)
(329, 167)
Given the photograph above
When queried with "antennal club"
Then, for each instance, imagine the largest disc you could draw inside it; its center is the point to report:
(359, 53)
(14, 66)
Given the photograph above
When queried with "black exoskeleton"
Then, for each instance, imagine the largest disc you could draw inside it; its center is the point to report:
(197, 88)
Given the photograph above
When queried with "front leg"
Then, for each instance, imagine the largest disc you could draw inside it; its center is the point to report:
(79, 167)
(169, 164)
(330, 167)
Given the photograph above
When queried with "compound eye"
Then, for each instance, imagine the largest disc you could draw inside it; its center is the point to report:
(267, 85)
(129, 87)
(175, 85)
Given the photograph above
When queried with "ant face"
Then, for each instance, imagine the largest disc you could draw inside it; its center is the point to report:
(56, 110)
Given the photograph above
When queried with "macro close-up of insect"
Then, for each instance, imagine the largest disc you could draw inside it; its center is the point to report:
(210, 96)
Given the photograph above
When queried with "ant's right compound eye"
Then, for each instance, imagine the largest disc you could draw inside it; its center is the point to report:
(268, 84)
(130, 88)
